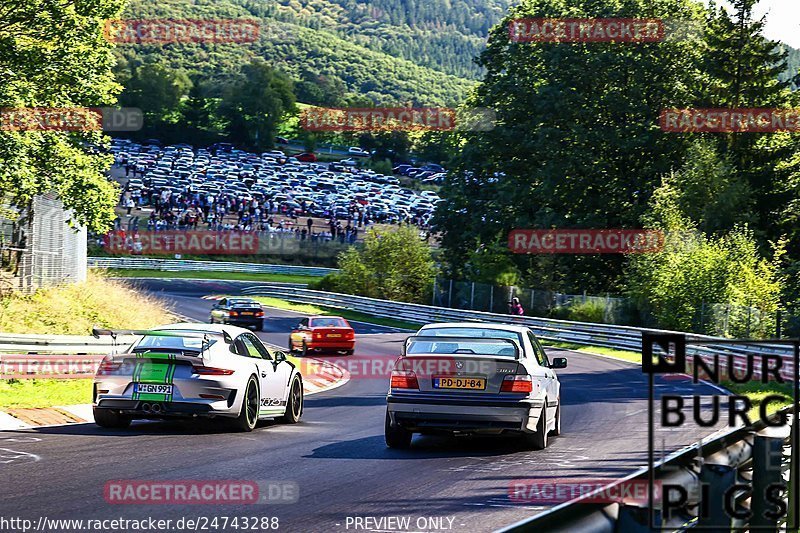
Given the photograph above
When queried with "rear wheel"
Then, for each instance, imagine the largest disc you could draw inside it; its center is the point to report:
(294, 407)
(248, 414)
(349, 352)
(305, 349)
(106, 418)
(396, 437)
(538, 440)
(260, 326)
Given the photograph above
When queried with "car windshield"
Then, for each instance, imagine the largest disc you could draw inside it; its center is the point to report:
(328, 323)
(173, 343)
(457, 345)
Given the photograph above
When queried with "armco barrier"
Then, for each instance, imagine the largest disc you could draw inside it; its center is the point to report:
(181, 265)
(603, 335)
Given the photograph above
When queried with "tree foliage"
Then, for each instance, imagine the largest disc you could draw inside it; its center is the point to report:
(53, 54)
(394, 265)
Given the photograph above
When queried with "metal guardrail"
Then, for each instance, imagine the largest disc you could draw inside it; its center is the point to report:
(584, 333)
(183, 265)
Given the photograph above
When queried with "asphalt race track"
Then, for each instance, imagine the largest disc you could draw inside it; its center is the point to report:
(337, 455)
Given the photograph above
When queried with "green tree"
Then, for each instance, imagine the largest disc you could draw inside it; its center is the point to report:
(576, 142)
(54, 55)
(157, 90)
(255, 102)
(395, 265)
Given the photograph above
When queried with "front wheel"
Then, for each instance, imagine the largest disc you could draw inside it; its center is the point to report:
(294, 407)
(107, 418)
(396, 436)
(248, 414)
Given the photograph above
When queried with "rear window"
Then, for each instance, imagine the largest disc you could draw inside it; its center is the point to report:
(328, 323)
(173, 343)
(244, 303)
(429, 345)
(471, 332)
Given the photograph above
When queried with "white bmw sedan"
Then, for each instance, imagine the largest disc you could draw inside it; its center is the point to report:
(465, 378)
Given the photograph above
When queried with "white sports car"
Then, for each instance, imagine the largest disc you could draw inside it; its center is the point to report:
(465, 378)
(196, 370)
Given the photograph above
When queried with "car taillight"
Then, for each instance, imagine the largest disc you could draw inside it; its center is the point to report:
(517, 383)
(233, 313)
(350, 335)
(317, 335)
(108, 365)
(259, 313)
(404, 379)
(211, 371)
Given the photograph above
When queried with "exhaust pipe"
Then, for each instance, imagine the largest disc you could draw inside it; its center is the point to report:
(146, 407)
(155, 408)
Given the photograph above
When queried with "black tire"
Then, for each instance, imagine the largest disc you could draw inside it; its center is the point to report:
(556, 431)
(396, 437)
(107, 418)
(305, 349)
(294, 405)
(349, 352)
(260, 326)
(248, 414)
(538, 440)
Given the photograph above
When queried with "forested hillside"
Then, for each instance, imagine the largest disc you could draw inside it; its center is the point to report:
(381, 51)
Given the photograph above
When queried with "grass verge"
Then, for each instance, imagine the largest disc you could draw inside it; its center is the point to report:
(610, 352)
(349, 315)
(235, 276)
(74, 309)
(31, 393)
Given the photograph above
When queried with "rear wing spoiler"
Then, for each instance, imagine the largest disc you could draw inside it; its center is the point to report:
(166, 332)
(471, 340)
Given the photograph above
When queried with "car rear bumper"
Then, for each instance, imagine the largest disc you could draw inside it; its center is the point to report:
(331, 345)
(244, 321)
(159, 409)
(478, 416)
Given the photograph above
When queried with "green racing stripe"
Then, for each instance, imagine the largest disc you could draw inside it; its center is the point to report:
(147, 370)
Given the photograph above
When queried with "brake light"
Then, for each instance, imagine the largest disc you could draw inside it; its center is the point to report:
(350, 335)
(259, 313)
(404, 379)
(517, 383)
(211, 371)
(108, 365)
(233, 313)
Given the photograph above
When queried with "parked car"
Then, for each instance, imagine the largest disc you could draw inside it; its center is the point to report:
(322, 333)
(307, 157)
(350, 162)
(358, 152)
(474, 378)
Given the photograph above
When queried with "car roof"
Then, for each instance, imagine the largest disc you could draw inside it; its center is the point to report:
(312, 317)
(478, 325)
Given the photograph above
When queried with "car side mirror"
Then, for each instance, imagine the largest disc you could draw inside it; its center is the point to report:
(559, 362)
(279, 357)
